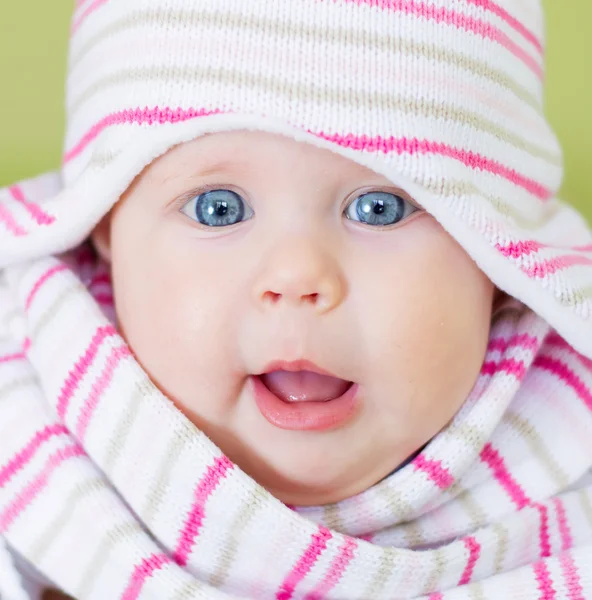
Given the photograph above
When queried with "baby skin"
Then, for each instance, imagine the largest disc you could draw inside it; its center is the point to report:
(304, 312)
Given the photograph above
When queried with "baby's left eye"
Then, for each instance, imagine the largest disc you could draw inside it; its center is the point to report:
(379, 209)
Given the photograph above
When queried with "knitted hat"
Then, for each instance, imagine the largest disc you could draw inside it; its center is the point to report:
(443, 97)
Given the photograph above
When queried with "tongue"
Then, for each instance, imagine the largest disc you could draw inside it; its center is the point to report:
(304, 386)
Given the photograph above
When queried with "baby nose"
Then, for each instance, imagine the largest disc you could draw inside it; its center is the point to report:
(300, 273)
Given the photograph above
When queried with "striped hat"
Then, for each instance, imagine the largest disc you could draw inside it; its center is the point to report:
(443, 97)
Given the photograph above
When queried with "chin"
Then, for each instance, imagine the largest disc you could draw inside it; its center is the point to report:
(315, 496)
(304, 496)
(308, 484)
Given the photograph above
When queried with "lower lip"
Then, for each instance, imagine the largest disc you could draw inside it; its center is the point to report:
(305, 416)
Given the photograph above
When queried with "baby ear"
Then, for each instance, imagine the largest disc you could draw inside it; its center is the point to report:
(101, 238)
(499, 297)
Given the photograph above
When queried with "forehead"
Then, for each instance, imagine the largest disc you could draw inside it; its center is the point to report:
(248, 152)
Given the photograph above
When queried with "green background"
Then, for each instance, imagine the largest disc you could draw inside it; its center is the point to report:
(33, 44)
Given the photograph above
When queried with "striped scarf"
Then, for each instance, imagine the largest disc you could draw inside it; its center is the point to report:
(112, 493)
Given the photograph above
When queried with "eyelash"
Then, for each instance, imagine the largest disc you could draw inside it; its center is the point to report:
(182, 201)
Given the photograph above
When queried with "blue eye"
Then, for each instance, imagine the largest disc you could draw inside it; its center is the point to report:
(379, 209)
(218, 208)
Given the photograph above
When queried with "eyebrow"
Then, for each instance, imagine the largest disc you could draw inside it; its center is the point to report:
(219, 167)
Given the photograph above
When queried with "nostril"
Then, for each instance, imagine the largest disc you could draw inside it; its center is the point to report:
(310, 298)
(271, 297)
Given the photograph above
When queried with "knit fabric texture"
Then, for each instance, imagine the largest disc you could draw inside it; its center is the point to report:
(109, 491)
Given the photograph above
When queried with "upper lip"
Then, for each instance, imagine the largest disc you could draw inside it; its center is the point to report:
(296, 365)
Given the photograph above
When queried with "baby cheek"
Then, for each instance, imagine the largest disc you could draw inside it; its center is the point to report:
(428, 329)
(178, 320)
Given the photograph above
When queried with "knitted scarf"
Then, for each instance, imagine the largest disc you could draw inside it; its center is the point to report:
(108, 490)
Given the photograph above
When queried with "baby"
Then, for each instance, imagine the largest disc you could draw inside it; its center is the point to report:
(300, 316)
(311, 281)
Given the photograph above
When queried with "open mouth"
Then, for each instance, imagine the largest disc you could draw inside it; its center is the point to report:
(304, 399)
(304, 386)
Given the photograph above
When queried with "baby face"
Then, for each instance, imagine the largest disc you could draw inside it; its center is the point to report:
(302, 311)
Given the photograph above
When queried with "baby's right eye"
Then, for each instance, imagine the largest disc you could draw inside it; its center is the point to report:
(218, 208)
